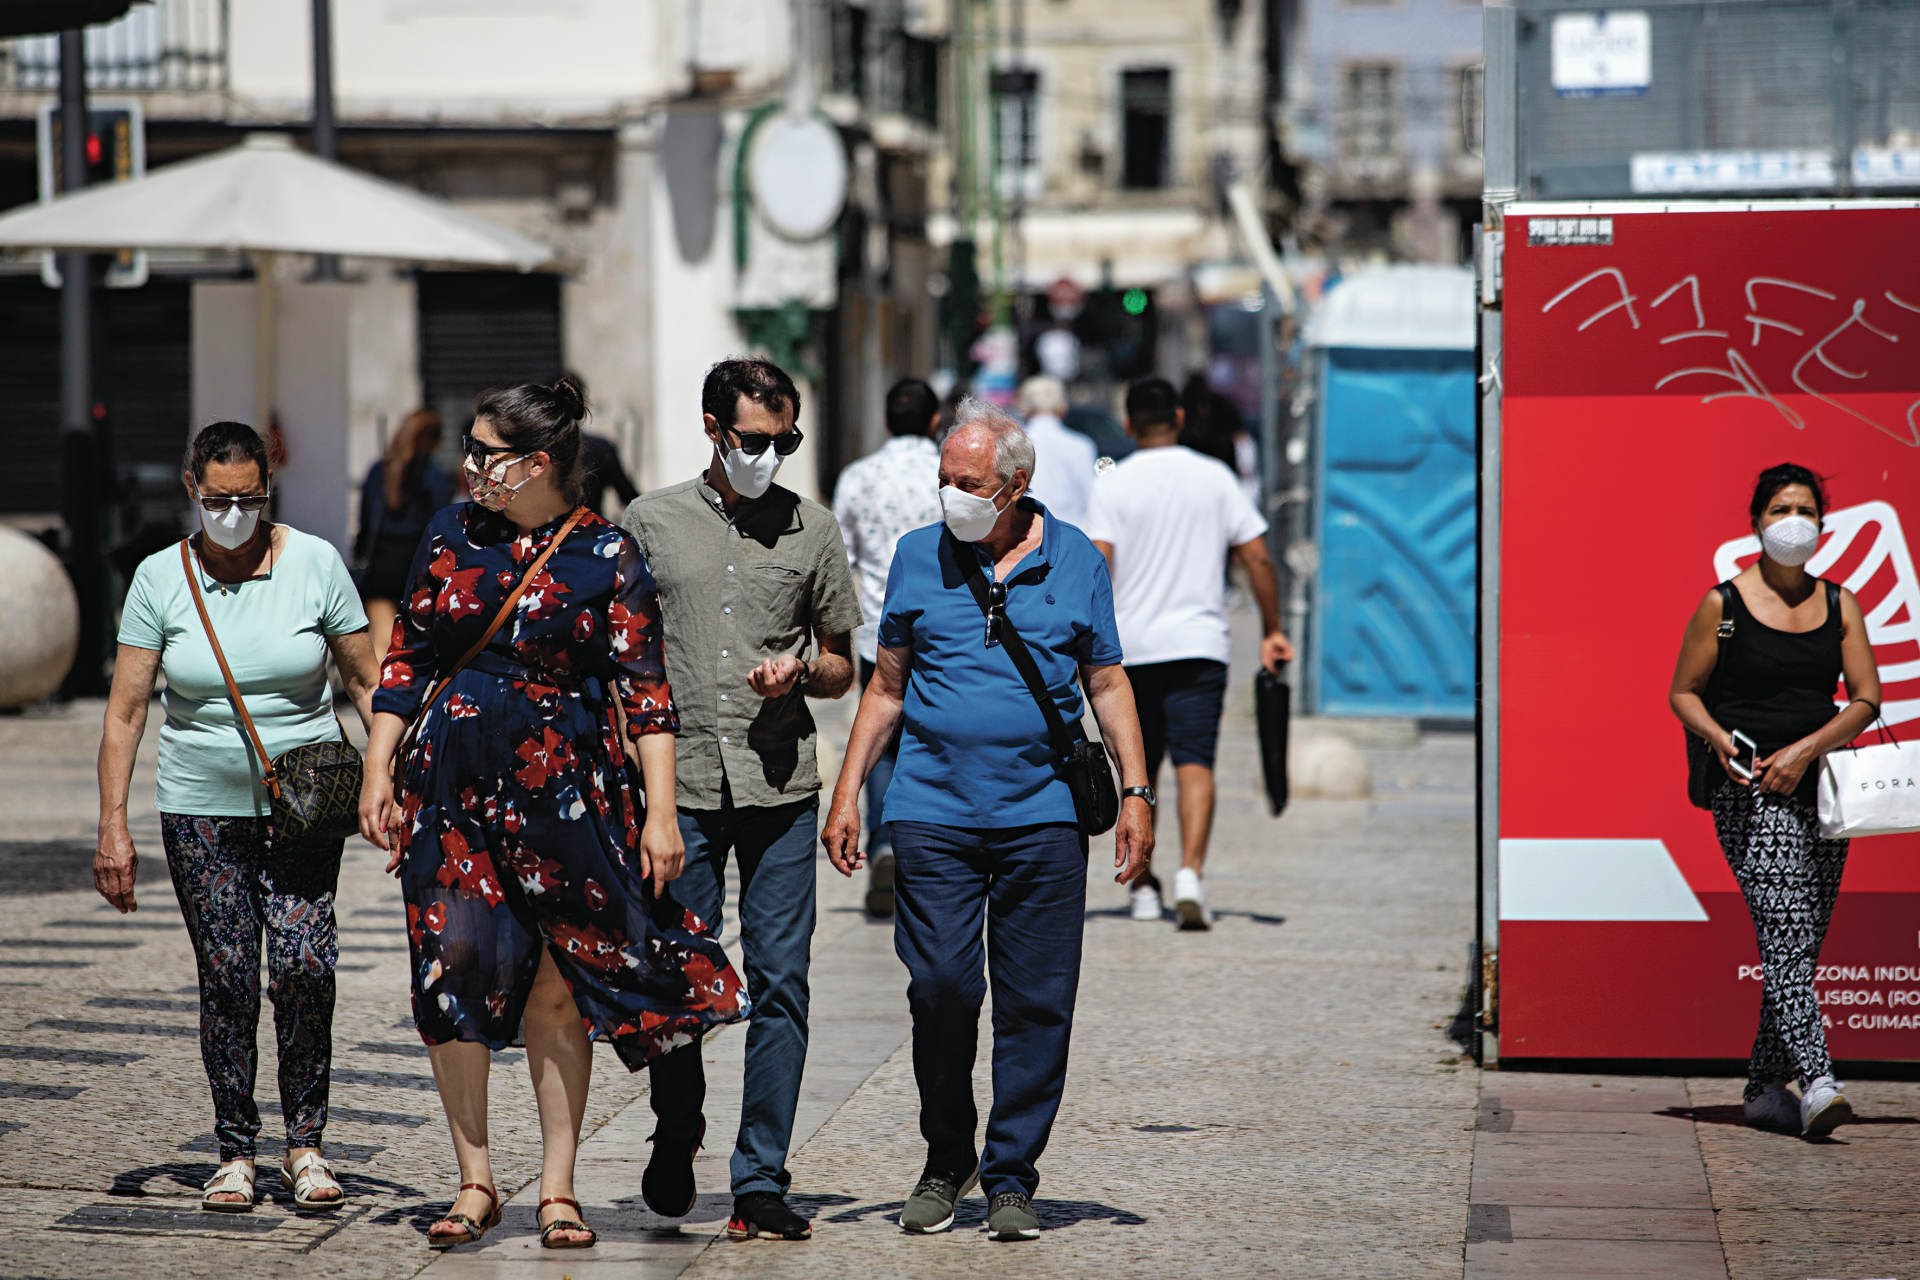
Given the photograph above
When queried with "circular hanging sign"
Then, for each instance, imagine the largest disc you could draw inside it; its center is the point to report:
(798, 174)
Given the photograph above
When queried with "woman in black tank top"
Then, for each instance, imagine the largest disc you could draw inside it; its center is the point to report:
(1789, 640)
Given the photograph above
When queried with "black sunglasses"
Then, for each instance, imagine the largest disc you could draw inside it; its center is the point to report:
(753, 444)
(220, 504)
(480, 452)
(996, 611)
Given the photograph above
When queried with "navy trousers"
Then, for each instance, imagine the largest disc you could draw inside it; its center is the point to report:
(1030, 885)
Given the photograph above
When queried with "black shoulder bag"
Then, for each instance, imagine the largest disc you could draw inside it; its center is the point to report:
(1704, 773)
(1084, 762)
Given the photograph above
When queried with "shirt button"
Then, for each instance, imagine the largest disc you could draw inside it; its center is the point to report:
(723, 697)
(729, 568)
(727, 609)
(723, 653)
(723, 741)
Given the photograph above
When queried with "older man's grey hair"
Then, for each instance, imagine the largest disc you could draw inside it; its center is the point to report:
(1012, 449)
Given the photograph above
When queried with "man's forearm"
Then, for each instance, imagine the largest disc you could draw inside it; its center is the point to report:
(1119, 724)
(873, 728)
(829, 676)
(1265, 584)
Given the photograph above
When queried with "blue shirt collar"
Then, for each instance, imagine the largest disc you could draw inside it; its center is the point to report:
(1043, 554)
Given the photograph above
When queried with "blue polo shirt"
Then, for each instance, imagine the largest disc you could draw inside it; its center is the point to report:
(974, 750)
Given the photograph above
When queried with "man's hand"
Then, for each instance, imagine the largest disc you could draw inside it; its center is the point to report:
(775, 677)
(1132, 839)
(1275, 651)
(841, 835)
(114, 866)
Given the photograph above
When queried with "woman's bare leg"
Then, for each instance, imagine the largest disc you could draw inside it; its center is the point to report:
(560, 1060)
(460, 1069)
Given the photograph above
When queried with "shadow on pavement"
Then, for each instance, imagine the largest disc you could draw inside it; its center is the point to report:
(972, 1212)
(1737, 1117)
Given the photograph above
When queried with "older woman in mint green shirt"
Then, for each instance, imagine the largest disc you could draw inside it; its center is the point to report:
(280, 602)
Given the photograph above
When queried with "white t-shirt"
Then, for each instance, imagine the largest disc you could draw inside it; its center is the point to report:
(1170, 515)
(1062, 467)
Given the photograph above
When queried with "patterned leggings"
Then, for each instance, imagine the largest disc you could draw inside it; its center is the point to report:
(1790, 877)
(231, 881)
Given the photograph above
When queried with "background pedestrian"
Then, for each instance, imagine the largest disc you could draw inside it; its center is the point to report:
(1063, 458)
(1167, 519)
(890, 491)
(280, 602)
(1793, 638)
(400, 495)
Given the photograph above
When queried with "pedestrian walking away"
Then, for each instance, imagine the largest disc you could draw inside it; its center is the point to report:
(1755, 679)
(1063, 458)
(1167, 519)
(537, 903)
(892, 490)
(401, 493)
(994, 833)
(280, 602)
(752, 576)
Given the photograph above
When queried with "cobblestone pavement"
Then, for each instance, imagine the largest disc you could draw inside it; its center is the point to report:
(1278, 1096)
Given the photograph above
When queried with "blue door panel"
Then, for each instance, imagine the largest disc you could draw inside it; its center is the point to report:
(1394, 605)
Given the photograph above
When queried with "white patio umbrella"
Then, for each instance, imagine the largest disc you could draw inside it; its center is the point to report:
(264, 198)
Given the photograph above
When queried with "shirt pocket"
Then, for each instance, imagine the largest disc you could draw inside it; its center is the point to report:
(780, 595)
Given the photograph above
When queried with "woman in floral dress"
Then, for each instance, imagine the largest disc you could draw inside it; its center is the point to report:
(524, 858)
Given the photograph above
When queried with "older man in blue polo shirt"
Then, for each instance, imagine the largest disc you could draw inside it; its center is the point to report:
(986, 822)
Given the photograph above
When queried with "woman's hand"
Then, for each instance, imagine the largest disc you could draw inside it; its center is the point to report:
(114, 866)
(1781, 772)
(1724, 748)
(663, 851)
(380, 816)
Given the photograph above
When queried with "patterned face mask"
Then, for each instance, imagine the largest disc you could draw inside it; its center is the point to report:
(489, 487)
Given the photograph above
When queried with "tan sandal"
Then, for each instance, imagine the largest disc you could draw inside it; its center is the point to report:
(566, 1224)
(311, 1173)
(474, 1230)
(233, 1178)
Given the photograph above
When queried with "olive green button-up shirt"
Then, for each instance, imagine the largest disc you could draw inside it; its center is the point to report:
(734, 591)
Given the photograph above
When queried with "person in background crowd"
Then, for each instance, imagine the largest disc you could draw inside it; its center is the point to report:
(1166, 519)
(1063, 458)
(983, 821)
(750, 574)
(600, 468)
(522, 855)
(1215, 428)
(890, 491)
(400, 495)
(1793, 638)
(280, 602)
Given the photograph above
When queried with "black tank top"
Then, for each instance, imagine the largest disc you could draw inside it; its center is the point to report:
(1778, 686)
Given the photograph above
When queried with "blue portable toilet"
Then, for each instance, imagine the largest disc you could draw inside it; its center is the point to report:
(1391, 628)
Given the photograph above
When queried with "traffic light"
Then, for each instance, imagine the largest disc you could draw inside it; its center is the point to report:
(116, 150)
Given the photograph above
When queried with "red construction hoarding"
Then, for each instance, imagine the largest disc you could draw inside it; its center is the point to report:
(1656, 359)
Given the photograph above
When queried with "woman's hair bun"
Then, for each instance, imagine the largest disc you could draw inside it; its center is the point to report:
(572, 396)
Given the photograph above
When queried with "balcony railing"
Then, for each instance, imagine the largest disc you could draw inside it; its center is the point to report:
(172, 45)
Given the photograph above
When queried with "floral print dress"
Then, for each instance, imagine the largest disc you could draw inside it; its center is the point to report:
(521, 829)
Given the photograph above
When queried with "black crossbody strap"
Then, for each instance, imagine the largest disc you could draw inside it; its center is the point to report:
(1063, 737)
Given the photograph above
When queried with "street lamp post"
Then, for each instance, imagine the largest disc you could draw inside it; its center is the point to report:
(79, 470)
(325, 266)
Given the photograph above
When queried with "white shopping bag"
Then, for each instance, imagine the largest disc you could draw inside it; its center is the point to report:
(1870, 791)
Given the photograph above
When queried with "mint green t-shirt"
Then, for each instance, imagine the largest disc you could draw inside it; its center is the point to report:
(274, 632)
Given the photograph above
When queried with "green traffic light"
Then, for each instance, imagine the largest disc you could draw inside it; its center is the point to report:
(1135, 301)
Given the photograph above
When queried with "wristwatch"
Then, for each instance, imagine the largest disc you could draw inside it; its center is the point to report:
(1145, 793)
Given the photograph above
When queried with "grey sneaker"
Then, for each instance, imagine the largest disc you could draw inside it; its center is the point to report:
(1012, 1217)
(1774, 1109)
(930, 1208)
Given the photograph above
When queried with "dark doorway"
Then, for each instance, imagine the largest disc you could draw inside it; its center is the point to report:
(1146, 104)
(484, 329)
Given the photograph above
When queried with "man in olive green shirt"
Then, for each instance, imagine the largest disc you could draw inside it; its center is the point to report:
(750, 575)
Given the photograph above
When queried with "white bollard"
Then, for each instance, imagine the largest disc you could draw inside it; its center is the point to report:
(39, 620)
(1328, 768)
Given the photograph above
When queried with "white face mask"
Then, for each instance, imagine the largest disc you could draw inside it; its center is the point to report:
(232, 528)
(750, 476)
(969, 516)
(1791, 541)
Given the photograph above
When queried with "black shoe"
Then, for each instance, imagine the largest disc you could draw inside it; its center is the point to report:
(1012, 1217)
(763, 1215)
(667, 1185)
(880, 885)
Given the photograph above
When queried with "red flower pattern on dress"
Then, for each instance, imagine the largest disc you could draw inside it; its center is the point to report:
(467, 872)
(546, 757)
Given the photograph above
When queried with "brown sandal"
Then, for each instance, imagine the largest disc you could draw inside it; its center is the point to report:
(565, 1224)
(473, 1229)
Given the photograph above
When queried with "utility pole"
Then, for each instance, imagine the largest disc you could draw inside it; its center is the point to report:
(80, 478)
(325, 266)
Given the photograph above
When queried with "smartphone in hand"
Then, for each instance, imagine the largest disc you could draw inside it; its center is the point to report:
(1744, 753)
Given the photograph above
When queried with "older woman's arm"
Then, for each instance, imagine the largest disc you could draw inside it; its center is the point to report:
(353, 654)
(115, 861)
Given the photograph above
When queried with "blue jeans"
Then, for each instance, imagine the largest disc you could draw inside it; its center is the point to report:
(879, 834)
(774, 847)
(1030, 884)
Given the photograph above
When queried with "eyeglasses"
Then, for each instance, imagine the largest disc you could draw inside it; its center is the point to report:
(480, 453)
(220, 504)
(996, 611)
(753, 444)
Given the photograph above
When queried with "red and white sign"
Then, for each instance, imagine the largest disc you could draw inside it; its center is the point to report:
(1655, 361)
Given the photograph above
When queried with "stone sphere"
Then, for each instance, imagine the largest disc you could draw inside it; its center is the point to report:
(1328, 768)
(39, 620)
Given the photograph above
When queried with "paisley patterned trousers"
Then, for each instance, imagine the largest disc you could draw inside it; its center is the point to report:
(1790, 878)
(232, 882)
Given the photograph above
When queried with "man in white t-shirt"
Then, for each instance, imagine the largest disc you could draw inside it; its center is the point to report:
(1063, 458)
(1166, 519)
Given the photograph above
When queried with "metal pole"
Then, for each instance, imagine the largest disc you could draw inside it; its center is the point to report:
(325, 145)
(80, 480)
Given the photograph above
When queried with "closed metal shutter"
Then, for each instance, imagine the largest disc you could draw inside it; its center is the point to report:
(484, 329)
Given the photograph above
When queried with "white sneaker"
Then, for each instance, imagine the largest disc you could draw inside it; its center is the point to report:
(1823, 1107)
(1775, 1109)
(1146, 899)
(1190, 900)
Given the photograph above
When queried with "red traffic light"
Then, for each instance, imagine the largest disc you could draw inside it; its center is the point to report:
(93, 148)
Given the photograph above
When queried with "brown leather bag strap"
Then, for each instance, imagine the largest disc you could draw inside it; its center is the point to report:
(499, 620)
(267, 774)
